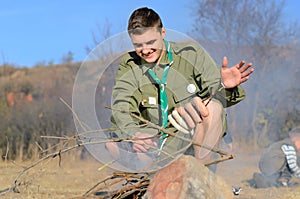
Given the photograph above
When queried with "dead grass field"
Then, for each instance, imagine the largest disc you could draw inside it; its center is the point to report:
(74, 177)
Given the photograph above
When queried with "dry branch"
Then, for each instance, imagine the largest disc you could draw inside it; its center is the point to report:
(131, 183)
(170, 133)
(16, 182)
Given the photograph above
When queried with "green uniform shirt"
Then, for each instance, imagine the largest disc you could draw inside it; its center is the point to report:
(134, 90)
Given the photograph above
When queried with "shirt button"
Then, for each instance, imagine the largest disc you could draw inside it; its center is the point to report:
(191, 88)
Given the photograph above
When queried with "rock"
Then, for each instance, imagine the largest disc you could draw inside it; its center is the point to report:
(187, 178)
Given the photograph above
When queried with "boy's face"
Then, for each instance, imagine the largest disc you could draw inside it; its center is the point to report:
(296, 140)
(150, 44)
(297, 143)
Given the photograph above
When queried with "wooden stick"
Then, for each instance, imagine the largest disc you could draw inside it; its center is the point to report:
(171, 133)
(221, 159)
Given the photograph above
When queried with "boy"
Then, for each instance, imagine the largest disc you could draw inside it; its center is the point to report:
(278, 163)
(170, 84)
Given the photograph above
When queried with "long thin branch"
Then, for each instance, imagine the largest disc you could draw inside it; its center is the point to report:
(221, 159)
(216, 150)
(74, 114)
(58, 154)
(80, 143)
(52, 155)
(170, 133)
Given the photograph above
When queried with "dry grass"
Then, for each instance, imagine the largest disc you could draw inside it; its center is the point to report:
(74, 177)
(49, 180)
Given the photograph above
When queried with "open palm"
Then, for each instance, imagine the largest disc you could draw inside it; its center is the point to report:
(235, 75)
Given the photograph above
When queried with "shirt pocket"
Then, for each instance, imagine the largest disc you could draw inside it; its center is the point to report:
(149, 104)
(184, 92)
(149, 109)
(182, 85)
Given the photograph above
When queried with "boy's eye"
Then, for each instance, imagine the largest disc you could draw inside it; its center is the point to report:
(138, 45)
(150, 42)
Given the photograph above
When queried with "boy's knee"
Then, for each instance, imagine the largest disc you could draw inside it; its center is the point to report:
(113, 149)
(215, 107)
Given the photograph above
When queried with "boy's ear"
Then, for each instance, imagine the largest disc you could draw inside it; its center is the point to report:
(163, 32)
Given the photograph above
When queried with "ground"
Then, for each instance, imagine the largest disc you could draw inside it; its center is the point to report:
(73, 177)
(238, 170)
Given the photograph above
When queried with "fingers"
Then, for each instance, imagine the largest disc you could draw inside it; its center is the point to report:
(179, 119)
(141, 144)
(244, 68)
(139, 148)
(196, 110)
(225, 62)
(186, 118)
(239, 65)
(245, 72)
(178, 122)
(182, 112)
(193, 112)
(200, 106)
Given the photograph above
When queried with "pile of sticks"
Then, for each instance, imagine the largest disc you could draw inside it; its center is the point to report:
(120, 185)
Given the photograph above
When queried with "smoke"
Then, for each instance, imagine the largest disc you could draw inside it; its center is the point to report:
(272, 90)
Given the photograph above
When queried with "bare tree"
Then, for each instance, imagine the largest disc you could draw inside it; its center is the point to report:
(103, 32)
(257, 24)
(251, 29)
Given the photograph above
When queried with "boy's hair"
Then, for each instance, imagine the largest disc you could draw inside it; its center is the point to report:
(142, 19)
(295, 132)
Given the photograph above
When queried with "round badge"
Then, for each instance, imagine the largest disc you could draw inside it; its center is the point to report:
(191, 88)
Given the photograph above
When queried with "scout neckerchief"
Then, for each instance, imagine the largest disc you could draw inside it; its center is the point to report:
(162, 93)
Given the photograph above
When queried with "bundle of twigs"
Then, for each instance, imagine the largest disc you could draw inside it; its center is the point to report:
(121, 185)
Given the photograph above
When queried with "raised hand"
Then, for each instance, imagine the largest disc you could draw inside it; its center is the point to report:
(235, 75)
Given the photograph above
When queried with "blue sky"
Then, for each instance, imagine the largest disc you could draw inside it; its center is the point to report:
(34, 31)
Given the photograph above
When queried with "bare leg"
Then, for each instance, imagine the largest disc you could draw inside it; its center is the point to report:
(209, 131)
(113, 149)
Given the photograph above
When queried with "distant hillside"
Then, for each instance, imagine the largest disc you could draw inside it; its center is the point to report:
(30, 107)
